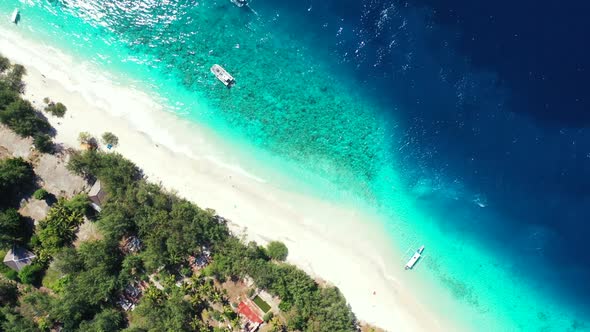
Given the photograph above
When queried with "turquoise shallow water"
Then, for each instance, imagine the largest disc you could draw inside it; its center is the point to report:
(293, 107)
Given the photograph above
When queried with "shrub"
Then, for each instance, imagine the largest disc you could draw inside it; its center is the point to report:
(110, 138)
(40, 194)
(56, 109)
(31, 274)
(10, 274)
(277, 250)
(43, 143)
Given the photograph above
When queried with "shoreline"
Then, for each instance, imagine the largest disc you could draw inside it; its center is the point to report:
(323, 238)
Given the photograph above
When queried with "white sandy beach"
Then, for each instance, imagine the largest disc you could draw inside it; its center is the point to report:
(334, 243)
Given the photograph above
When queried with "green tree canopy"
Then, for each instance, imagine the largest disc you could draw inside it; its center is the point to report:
(166, 312)
(40, 194)
(13, 321)
(79, 203)
(277, 250)
(115, 172)
(8, 293)
(58, 229)
(171, 229)
(36, 306)
(43, 143)
(16, 177)
(93, 271)
(12, 228)
(106, 320)
(21, 117)
(110, 138)
(14, 78)
(7, 96)
(31, 274)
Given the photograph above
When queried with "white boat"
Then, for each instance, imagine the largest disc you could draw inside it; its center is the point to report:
(223, 75)
(15, 16)
(410, 264)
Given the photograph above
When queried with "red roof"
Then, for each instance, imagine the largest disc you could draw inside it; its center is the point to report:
(245, 310)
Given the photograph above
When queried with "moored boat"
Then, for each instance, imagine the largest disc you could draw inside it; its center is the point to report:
(223, 75)
(410, 264)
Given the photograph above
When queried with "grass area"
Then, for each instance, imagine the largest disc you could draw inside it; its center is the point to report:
(261, 304)
(51, 278)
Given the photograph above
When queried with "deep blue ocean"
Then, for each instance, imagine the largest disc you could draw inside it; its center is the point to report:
(471, 118)
(494, 99)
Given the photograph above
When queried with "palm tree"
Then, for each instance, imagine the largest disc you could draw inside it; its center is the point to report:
(198, 325)
(216, 296)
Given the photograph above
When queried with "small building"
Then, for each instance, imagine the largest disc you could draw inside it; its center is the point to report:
(131, 244)
(97, 196)
(18, 257)
(132, 294)
(252, 318)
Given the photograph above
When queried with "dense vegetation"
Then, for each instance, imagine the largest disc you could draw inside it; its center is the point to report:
(57, 230)
(16, 177)
(18, 114)
(87, 281)
(11, 228)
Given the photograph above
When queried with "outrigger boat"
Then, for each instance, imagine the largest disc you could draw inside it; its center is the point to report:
(410, 264)
(15, 16)
(223, 75)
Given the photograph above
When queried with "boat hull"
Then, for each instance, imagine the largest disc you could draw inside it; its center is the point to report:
(15, 16)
